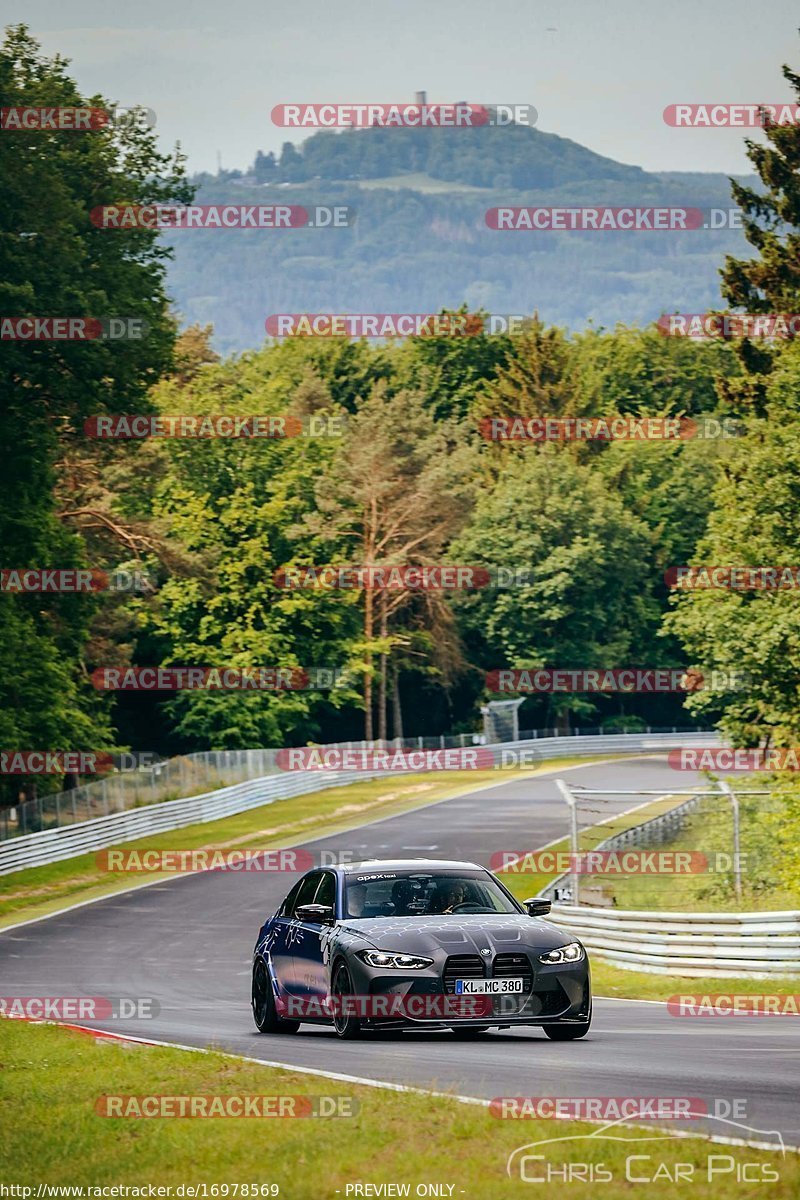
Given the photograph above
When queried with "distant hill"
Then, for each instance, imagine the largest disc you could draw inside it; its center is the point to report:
(516, 156)
(421, 243)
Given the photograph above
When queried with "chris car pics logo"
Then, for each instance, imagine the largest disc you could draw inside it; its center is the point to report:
(650, 1159)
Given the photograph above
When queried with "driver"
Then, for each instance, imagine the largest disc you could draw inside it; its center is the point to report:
(448, 895)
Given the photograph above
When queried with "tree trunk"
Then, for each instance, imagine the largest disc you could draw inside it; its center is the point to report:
(562, 722)
(397, 711)
(382, 730)
(368, 630)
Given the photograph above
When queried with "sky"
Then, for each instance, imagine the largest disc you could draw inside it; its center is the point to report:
(599, 72)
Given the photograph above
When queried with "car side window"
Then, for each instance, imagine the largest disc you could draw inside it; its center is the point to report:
(306, 892)
(287, 908)
(301, 893)
(326, 892)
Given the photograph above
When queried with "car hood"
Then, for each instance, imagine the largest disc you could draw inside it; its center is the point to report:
(455, 934)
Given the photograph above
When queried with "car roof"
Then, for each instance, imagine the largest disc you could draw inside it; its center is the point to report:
(409, 864)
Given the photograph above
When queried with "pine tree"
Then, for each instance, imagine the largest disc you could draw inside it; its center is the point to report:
(769, 282)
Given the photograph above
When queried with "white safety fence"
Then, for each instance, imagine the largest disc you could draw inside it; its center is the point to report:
(718, 945)
(69, 841)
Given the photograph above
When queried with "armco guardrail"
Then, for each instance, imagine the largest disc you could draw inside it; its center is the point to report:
(53, 845)
(148, 779)
(716, 945)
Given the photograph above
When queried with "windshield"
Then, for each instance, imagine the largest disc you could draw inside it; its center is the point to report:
(424, 893)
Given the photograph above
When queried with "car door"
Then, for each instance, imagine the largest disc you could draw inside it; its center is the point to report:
(310, 971)
(286, 931)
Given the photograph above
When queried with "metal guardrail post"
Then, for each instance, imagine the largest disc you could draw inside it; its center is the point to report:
(728, 791)
(571, 799)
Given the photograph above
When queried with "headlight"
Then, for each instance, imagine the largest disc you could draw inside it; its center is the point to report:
(395, 962)
(564, 954)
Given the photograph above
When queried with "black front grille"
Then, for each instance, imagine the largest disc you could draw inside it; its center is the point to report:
(462, 966)
(515, 965)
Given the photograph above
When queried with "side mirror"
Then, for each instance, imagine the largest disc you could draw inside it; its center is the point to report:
(536, 907)
(317, 914)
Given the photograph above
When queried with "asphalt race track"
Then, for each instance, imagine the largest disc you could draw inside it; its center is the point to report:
(188, 942)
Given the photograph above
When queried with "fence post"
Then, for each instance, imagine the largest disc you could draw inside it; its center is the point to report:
(571, 799)
(728, 791)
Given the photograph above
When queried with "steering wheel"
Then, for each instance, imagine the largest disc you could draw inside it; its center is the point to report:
(471, 906)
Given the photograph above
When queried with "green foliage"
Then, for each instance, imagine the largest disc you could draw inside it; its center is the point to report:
(753, 523)
(589, 599)
(54, 262)
(232, 503)
(770, 280)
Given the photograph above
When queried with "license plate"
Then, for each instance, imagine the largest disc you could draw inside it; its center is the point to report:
(488, 987)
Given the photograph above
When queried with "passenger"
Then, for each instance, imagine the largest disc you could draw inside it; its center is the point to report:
(356, 899)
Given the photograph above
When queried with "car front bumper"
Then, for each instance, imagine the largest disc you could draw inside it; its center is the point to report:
(560, 992)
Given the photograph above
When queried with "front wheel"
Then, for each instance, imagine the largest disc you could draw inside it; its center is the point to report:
(569, 1031)
(263, 1002)
(345, 1024)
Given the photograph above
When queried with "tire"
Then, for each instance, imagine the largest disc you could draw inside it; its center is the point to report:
(569, 1031)
(346, 1027)
(263, 1004)
(467, 1032)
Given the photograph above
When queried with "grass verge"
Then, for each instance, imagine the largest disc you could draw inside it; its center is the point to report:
(523, 882)
(709, 830)
(51, 1080)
